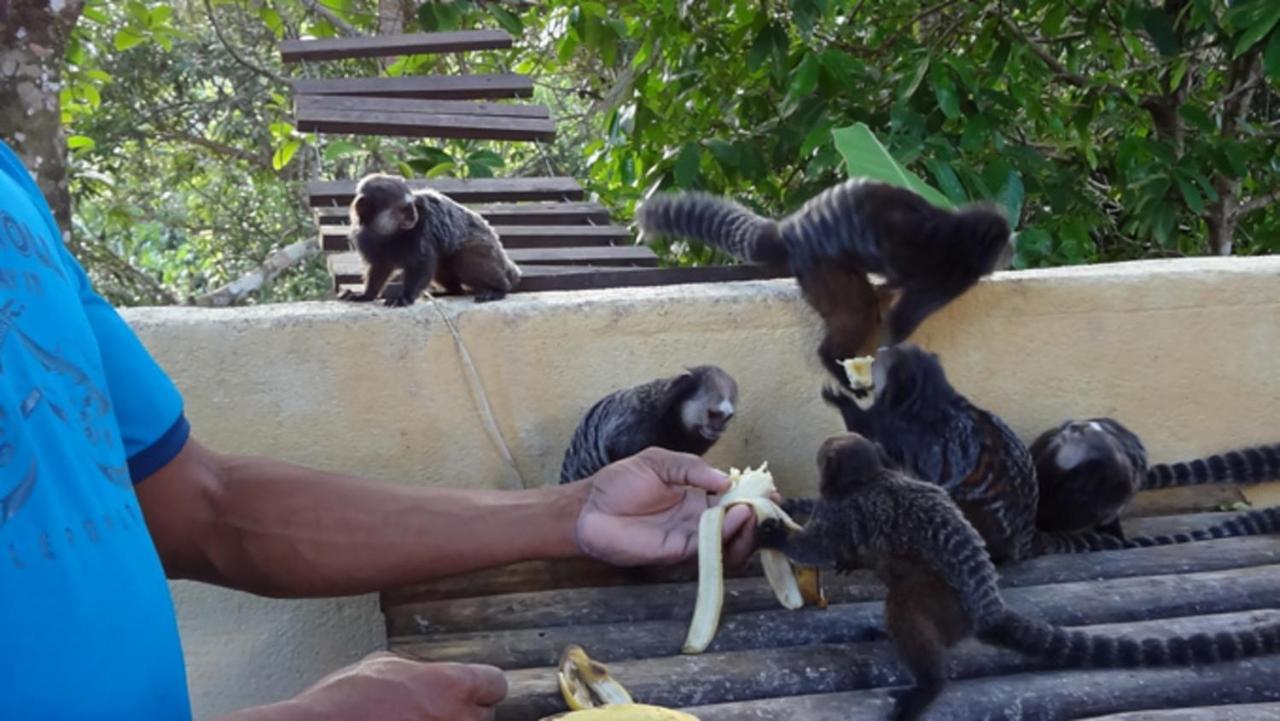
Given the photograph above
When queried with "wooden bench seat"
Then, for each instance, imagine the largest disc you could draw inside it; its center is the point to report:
(294, 49)
(341, 192)
(439, 87)
(334, 237)
(824, 665)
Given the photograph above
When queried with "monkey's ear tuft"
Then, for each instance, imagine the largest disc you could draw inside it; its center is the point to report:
(360, 208)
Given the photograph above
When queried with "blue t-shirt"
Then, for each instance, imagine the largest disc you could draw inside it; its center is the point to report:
(87, 628)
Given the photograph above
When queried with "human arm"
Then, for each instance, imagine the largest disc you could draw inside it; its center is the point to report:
(386, 687)
(279, 529)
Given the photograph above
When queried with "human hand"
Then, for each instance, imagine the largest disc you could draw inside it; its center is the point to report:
(645, 510)
(385, 686)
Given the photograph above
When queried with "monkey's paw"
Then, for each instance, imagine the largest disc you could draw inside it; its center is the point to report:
(772, 534)
(400, 301)
(352, 296)
(484, 296)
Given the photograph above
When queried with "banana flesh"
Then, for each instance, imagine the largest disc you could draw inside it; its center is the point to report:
(751, 487)
(861, 382)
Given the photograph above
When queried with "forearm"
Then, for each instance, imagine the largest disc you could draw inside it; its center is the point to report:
(284, 530)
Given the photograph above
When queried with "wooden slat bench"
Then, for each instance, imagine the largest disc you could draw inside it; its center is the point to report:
(341, 192)
(294, 50)
(425, 125)
(334, 237)
(823, 665)
(440, 87)
(513, 214)
(414, 106)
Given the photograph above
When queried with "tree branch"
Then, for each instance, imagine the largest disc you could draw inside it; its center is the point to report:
(217, 29)
(332, 18)
(275, 264)
(1059, 70)
(1256, 203)
(216, 147)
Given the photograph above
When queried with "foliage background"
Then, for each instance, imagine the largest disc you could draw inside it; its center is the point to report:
(1111, 129)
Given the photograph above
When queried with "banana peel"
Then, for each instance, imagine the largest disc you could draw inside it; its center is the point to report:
(594, 695)
(752, 487)
(586, 683)
(809, 579)
(624, 712)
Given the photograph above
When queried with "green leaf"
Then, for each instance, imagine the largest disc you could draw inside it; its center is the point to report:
(1190, 195)
(406, 169)
(816, 138)
(127, 38)
(805, 78)
(912, 81)
(1256, 20)
(285, 153)
(479, 170)
(507, 19)
(1197, 116)
(336, 149)
(1010, 193)
(864, 155)
(686, 167)
(1160, 27)
(947, 180)
(81, 142)
(91, 96)
(724, 152)
(944, 88)
(441, 169)
(272, 20)
(1271, 57)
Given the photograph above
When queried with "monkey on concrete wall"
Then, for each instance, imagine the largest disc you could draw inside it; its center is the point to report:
(427, 236)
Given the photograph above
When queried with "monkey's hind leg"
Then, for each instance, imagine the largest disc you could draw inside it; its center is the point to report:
(483, 267)
(375, 278)
(924, 620)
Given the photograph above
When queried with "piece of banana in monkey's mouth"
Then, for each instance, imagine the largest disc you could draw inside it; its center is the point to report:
(861, 382)
(751, 487)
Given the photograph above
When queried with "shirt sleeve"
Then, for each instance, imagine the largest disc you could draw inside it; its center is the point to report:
(147, 406)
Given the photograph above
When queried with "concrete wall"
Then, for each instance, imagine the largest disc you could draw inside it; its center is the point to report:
(1185, 352)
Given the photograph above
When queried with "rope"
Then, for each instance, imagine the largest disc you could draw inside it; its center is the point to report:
(478, 394)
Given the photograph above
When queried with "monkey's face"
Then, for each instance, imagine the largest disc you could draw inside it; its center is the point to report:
(903, 373)
(708, 410)
(385, 205)
(848, 462)
(1087, 473)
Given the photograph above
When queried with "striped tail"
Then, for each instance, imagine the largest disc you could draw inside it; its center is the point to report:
(714, 221)
(835, 224)
(1263, 521)
(1078, 649)
(1246, 465)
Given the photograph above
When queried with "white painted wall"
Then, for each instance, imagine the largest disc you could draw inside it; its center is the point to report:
(1185, 352)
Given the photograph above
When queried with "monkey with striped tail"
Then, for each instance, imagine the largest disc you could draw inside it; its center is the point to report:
(927, 254)
(942, 586)
(1089, 471)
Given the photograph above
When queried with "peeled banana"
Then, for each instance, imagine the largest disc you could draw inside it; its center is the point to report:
(751, 487)
(861, 381)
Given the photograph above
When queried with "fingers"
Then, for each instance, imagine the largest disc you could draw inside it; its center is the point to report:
(683, 469)
(487, 684)
(739, 535)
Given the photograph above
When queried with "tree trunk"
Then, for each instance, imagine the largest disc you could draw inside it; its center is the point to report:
(33, 41)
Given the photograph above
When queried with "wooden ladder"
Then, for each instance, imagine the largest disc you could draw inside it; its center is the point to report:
(560, 240)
